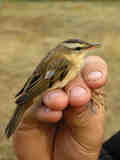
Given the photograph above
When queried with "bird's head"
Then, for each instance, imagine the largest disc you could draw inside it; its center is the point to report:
(77, 46)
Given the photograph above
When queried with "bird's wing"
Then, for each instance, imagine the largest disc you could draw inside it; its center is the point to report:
(29, 82)
(37, 72)
(55, 70)
(45, 75)
(21, 91)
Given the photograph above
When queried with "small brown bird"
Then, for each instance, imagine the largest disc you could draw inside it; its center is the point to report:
(55, 70)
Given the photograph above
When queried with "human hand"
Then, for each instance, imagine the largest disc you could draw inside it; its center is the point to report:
(60, 131)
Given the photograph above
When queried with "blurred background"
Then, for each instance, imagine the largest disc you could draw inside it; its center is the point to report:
(29, 29)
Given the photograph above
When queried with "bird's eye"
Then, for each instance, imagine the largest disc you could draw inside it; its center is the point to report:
(78, 48)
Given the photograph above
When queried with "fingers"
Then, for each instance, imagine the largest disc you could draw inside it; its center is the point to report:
(77, 92)
(94, 75)
(49, 107)
(56, 99)
(95, 72)
(46, 114)
(55, 102)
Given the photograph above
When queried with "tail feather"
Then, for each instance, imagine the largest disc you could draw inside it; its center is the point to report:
(15, 120)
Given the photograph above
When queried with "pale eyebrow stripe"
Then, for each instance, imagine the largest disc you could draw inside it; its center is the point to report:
(73, 45)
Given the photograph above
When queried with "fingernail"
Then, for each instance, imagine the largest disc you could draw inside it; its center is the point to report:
(52, 95)
(78, 91)
(94, 75)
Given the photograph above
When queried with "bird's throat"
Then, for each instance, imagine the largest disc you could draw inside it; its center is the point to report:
(76, 60)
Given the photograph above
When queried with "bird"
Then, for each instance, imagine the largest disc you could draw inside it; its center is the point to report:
(55, 70)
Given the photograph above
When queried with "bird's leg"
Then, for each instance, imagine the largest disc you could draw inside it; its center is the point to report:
(97, 99)
(92, 106)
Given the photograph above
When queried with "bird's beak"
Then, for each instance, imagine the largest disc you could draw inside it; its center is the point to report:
(94, 45)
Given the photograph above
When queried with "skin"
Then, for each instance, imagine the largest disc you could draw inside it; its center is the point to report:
(79, 136)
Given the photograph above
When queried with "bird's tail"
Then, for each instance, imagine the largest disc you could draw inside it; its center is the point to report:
(15, 120)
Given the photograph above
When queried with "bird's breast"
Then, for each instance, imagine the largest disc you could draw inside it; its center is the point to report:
(76, 59)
